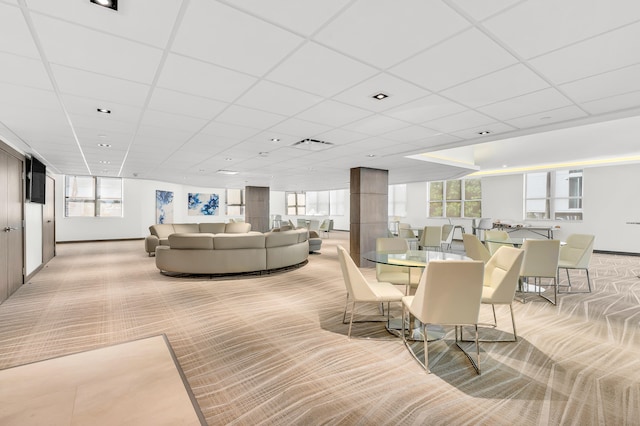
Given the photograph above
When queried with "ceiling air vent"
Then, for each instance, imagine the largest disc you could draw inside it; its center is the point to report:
(312, 145)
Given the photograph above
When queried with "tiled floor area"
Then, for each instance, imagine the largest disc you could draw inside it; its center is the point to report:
(130, 383)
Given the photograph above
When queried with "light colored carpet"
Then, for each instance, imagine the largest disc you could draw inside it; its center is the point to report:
(273, 350)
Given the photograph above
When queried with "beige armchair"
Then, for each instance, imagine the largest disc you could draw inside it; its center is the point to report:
(492, 238)
(501, 275)
(540, 262)
(449, 293)
(447, 236)
(431, 238)
(399, 275)
(361, 290)
(576, 254)
(474, 248)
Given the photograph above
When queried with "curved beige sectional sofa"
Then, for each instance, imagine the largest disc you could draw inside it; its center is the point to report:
(228, 253)
(160, 232)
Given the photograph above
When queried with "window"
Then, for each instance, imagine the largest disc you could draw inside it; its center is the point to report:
(336, 202)
(317, 203)
(397, 200)
(234, 202)
(296, 203)
(89, 196)
(455, 198)
(554, 195)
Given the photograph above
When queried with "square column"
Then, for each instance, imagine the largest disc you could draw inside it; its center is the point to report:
(369, 211)
(256, 210)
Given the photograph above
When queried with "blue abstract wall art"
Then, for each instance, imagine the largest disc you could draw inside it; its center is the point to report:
(164, 206)
(203, 204)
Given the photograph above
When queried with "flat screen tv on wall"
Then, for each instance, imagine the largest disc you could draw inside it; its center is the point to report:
(36, 181)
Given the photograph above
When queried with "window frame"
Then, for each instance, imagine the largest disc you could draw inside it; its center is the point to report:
(228, 207)
(98, 185)
(446, 199)
(552, 200)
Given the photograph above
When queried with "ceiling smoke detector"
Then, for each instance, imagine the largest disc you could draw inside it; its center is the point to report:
(312, 145)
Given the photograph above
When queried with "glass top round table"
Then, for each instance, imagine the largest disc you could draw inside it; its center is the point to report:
(411, 258)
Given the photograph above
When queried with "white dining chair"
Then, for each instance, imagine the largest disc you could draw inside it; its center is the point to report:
(576, 254)
(540, 262)
(399, 275)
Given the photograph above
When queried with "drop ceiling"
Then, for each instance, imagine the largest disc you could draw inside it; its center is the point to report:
(197, 86)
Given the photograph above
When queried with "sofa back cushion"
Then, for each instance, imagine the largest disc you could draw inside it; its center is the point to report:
(184, 228)
(191, 241)
(237, 228)
(238, 241)
(161, 230)
(284, 238)
(213, 228)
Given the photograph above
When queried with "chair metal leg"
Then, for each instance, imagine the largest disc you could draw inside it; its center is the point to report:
(344, 315)
(353, 308)
(475, 363)
(569, 282)
(426, 349)
(494, 325)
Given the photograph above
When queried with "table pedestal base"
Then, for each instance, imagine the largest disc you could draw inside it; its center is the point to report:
(434, 331)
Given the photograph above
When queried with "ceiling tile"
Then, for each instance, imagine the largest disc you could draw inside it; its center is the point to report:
(364, 31)
(604, 85)
(276, 98)
(288, 13)
(14, 33)
(248, 117)
(172, 121)
(341, 136)
(457, 60)
(230, 131)
(504, 84)
(474, 132)
(27, 96)
(411, 134)
(248, 44)
(460, 121)
(302, 129)
(425, 109)
(481, 10)
(533, 28)
(99, 87)
(79, 47)
(202, 79)
(398, 91)
(610, 51)
(130, 21)
(547, 117)
(184, 104)
(528, 104)
(23, 71)
(376, 125)
(614, 103)
(333, 113)
(318, 70)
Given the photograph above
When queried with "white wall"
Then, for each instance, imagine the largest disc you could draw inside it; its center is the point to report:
(610, 200)
(33, 236)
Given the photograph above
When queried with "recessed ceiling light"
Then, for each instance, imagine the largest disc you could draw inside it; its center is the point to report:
(104, 145)
(227, 172)
(275, 140)
(228, 159)
(484, 132)
(263, 154)
(371, 155)
(104, 110)
(104, 162)
(111, 4)
(380, 96)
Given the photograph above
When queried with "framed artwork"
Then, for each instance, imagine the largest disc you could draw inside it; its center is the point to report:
(203, 204)
(164, 206)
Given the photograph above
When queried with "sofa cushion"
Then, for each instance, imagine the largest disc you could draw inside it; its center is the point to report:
(237, 228)
(213, 228)
(191, 241)
(285, 238)
(238, 241)
(161, 230)
(183, 228)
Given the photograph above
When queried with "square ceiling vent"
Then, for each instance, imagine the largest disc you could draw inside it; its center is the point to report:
(312, 145)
